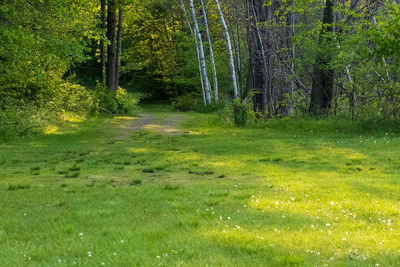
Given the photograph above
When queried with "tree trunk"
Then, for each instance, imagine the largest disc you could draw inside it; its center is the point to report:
(102, 43)
(214, 69)
(119, 47)
(239, 49)
(322, 80)
(292, 34)
(200, 72)
(201, 54)
(182, 6)
(111, 50)
(258, 59)
(231, 60)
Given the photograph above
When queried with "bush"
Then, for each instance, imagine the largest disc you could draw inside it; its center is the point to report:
(127, 103)
(62, 101)
(110, 102)
(189, 102)
(237, 114)
(19, 119)
(74, 98)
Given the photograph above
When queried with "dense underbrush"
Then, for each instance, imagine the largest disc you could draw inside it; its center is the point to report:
(244, 116)
(25, 117)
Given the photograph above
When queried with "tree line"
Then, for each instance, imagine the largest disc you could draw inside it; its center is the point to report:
(285, 58)
(306, 57)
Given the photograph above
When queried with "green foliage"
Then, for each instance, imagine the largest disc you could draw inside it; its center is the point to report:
(39, 40)
(13, 187)
(240, 112)
(237, 114)
(189, 102)
(120, 102)
(386, 33)
(332, 125)
(127, 103)
(21, 119)
(73, 98)
(135, 181)
(25, 118)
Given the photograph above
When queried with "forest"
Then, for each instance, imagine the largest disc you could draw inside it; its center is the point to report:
(199, 132)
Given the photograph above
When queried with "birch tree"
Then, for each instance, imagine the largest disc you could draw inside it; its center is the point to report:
(214, 69)
(201, 54)
(231, 60)
(182, 6)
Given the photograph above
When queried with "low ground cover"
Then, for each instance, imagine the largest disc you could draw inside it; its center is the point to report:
(178, 190)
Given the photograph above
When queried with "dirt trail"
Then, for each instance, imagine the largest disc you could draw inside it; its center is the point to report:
(169, 126)
(142, 122)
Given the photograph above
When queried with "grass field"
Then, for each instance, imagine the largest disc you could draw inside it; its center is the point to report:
(176, 190)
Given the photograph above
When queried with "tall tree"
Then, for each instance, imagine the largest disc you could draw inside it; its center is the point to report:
(230, 51)
(201, 53)
(182, 6)
(258, 60)
(102, 43)
(323, 80)
(214, 69)
(111, 50)
(291, 45)
(119, 46)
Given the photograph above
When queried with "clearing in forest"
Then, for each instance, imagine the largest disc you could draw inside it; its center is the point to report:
(174, 189)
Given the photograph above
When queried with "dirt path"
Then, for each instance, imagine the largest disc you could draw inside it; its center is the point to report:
(141, 123)
(146, 122)
(171, 125)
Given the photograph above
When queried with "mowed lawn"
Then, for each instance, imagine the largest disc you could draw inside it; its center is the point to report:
(107, 192)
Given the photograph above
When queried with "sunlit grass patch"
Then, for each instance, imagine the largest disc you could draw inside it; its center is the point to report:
(125, 118)
(52, 129)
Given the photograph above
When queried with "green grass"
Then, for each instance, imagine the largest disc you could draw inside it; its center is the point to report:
(276, 195)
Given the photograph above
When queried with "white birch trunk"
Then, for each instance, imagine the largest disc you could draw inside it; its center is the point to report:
(201, 73)
(182, 6)
(201, 54)
(231, 60)
(214, 69)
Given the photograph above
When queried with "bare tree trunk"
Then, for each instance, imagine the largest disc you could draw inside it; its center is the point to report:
(182, 6)
(292, 34)
(119, 47)
(239, 49)
(201, 54)
(231, 60)
(111, 50)
(200, 72)
(258, 58)
(322, 81)
(214, 69)
(102, 43)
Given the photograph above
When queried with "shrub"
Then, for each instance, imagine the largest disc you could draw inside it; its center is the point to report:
(74, 98)
(237, 114)
(59, 101)
(189, 102)
(19, 119)
(127, 103)
(110, 102)
(135, 181)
